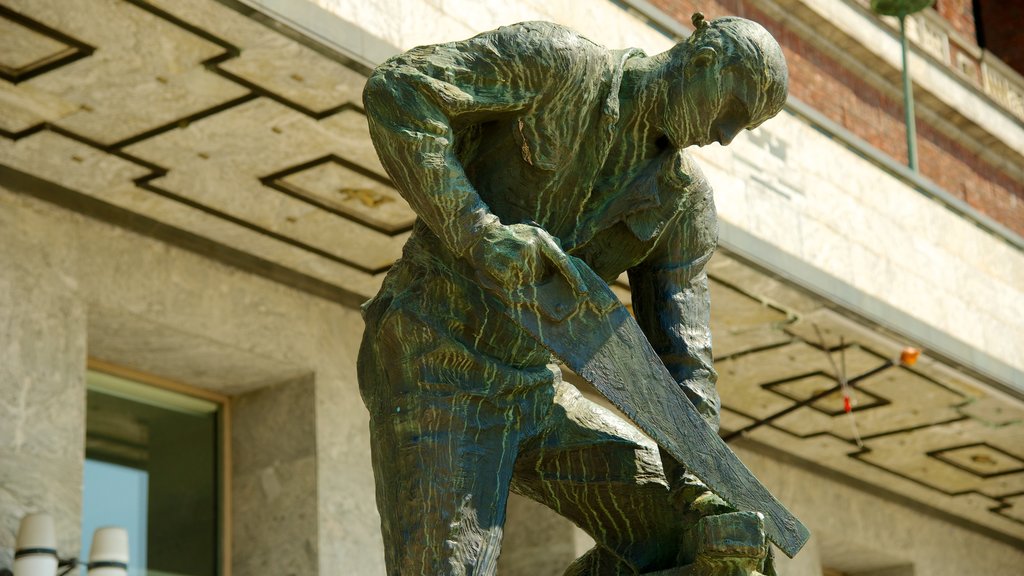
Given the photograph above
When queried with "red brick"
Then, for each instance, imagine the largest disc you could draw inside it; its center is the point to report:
(960, 15)
(844, 97)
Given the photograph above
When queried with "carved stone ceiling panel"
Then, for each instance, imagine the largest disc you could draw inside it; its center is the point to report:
(194, 116)
(924, 431)
(228, 137)
(213, 162)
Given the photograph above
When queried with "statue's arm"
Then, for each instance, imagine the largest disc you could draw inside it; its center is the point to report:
(416, 103)
(671, 299)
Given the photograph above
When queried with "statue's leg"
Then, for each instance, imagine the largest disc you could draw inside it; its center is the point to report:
(603, 474)
(645, 513)
(443, 449)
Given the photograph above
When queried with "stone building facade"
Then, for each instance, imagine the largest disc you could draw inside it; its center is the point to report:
(190, 207)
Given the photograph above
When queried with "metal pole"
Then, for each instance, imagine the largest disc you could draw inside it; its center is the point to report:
(908, 99)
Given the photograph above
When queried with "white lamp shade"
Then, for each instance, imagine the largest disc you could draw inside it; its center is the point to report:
(109, 553)
(35, 553)
(35, 565)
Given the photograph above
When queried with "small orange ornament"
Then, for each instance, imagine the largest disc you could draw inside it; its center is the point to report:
(908, 357)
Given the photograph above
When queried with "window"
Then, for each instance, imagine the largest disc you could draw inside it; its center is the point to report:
(153, 467)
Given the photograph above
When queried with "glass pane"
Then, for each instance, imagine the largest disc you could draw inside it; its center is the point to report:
(170, 442)
(117, 496)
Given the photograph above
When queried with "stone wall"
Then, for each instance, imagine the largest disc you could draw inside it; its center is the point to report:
(72, 287)
(857, 532)
(42, 381)
(960, 15)
(874, 112)
(812, 197)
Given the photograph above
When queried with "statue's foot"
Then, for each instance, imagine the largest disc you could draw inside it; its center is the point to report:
(731, 544)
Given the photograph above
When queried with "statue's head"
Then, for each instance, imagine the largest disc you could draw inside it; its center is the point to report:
(730, 75)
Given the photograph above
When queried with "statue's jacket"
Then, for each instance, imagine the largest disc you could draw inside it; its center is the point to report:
(517, 123)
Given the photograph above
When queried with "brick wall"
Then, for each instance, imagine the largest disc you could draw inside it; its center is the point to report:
(849, 100)
(960, 14)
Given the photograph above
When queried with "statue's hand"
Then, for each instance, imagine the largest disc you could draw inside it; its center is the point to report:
(508, 258)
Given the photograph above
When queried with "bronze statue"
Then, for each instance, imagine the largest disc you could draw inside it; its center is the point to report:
(540, 163)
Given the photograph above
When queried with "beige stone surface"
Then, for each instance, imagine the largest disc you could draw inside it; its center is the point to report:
(536, 541)
(275, 479)
(740, 322)
(21, 47)
(768, 290)
(432, 21)
(132, 339)
(149, 69)
(108, 178)
(276, 527)
(284, 67)
(100, 267)
(858, 519)
(42, 383)
(217, 162)
(341, 189)
(866, 228)
(806, 563)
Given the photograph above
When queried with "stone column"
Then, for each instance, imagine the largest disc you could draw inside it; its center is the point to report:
(42, 376)
(274, 484)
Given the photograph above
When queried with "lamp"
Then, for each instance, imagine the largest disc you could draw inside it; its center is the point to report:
(35, 552)
(109, 553)
(901, 9)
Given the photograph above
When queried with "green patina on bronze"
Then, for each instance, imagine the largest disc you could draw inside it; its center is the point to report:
(540, 163)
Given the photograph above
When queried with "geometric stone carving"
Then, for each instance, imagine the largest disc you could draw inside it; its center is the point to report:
(980, 459)
(740, 323)
(1014, 509)
(146, 72)
(347, 189)
(29, 48)
(220, 163)
(911, 401)
(831, 404)
(297, 74)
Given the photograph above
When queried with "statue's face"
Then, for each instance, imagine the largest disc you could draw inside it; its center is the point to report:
(713, 105)
(716, 91)
(733, 113)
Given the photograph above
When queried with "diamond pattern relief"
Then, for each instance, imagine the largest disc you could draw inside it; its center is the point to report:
(1014, 508)
(146, 72)
(216, 163)
(744, 373)
(980, 459)
(29, 48)
(830, 397)
(911, 454)
(346, 189)
(921, 426)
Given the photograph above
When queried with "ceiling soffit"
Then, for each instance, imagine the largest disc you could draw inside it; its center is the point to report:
(199, 120)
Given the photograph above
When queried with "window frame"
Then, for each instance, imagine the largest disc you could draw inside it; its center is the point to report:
(224, 442)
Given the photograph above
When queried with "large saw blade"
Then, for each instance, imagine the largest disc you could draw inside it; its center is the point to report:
(600, 341)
